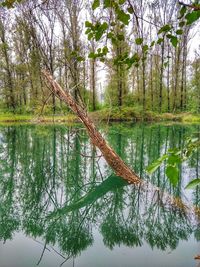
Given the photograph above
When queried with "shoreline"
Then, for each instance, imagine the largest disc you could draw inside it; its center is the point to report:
(102, 116)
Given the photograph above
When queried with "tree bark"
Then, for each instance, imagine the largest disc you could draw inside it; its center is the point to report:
(114, 161)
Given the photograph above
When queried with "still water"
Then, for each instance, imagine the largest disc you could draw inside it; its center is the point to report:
(60, 204)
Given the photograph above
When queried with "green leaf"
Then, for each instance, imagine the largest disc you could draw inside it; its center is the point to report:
(139, 41)
(100, 30)
(90, 36)
(80, 58)
(88, 24)
(107, 3)
(121, 2)
(179, 32)
(105, 50)
(192, 184)
(172, 174)
(145, 48)
(120, 37)
(88, 31)
(192, 17)
(166, 63)
(92, 55)
(174, 41)
(152, 44)
(165, 28)
(104, 26)
(173, 159)
(183, 11)
(130, 10)
(153, 167)
(181, 24)
(122, 16)
(156, 164)
(96, 3)
(160, 40)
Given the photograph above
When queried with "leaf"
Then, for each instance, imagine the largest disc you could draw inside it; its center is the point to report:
(107, 3)
(183, 11)
(96, 3)
(173, 159)
(92, 55)
(174, 41)
(121, 2)
(88, 24)
(192, 17)
(166, 64)
(179, 32)
(88, 31)
(145, 48)
(172, 174)
(139, 41)
(122, 16)
(100, 29)
(105, 50)
(80, 58)
(130, 10)
(192, 184)
(181, 24)
(120, 37)
(104, 26)
(90, 36)
(152, 44)
(165, 28)
(156, 164)
(160, 40)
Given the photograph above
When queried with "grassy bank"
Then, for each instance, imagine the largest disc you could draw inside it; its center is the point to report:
(14, 118)
(123, 114)
(131, 114)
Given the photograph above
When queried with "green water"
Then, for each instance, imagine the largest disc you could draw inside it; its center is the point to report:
(61, 203)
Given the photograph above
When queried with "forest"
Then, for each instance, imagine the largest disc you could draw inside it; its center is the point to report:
(135, 55)
(99, 133)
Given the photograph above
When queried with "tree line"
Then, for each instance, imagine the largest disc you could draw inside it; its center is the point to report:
(145, 55)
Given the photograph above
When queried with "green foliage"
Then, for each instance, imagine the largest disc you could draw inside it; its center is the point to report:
(95, 4)
(172, 173)
(174, 40)
(122, 16)
(192, 184)
(156, 164)
(101, 52)
(95, 31)
(183, 10)
(173, 158)
(139, 41)
(192, 17)
(179, 32)
(165, 29)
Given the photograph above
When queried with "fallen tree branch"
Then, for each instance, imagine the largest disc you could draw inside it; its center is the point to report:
(195, 7)
(112, 158)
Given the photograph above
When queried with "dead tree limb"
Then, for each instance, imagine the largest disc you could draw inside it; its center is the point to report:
(114, 161)
(195, 7)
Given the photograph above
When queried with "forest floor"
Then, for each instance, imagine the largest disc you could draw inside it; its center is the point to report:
(104, 115)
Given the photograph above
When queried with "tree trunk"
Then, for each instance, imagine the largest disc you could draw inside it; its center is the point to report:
(115, 162)
(161, 76)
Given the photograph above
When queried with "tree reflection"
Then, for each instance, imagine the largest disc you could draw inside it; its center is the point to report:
(55, 186)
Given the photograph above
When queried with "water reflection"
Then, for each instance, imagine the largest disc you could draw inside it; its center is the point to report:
(54, 185)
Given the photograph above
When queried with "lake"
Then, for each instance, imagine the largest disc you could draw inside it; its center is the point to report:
(60, 203)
